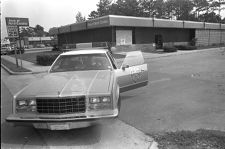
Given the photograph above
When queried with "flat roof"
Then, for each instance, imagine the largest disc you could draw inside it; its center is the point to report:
(86, 51)
(129, 21)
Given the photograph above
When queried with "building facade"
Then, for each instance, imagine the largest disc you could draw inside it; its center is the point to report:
(125, 30)
(38, 41)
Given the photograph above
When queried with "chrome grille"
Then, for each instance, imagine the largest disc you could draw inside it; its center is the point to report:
(61, 105)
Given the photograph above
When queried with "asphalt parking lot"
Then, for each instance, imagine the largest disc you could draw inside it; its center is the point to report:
(185, 92)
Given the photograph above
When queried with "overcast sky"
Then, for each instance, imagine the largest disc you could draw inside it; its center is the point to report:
(47, 13)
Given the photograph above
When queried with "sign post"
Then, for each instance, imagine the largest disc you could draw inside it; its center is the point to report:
(13, 25)
(20, 47)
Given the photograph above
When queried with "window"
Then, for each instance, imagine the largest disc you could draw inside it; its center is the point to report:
(81, 62)
(114, 64)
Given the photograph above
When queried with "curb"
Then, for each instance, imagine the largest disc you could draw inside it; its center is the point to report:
(19, 73)
(14, 73)
(184, 53)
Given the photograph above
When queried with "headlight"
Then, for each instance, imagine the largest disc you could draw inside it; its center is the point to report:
(100, 103)
(22, 103)
(32, 102)
(94, 100)
(106, 99)
(26, 105)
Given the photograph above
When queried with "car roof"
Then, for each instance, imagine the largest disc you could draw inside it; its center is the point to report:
(86, 51)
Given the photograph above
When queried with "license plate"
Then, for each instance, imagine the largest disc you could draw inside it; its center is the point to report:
(59, 126)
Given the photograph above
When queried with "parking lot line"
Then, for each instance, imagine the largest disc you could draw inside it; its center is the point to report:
(160, 80)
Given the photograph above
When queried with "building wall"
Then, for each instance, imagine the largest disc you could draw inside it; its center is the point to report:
(147, 35)
(207, 37)
(143, 35)
(85, 36)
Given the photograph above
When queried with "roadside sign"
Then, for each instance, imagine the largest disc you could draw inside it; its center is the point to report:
(12, 31)
(12, 21)
(13, 25)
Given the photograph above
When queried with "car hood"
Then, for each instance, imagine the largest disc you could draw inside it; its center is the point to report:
(69, 84)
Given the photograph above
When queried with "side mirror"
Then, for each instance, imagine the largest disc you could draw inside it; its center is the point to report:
(124, 66)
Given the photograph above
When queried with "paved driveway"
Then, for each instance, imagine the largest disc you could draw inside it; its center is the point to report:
(185, 92)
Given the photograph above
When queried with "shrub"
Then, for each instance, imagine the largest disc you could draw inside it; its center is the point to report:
(193, 41)
(55, 48)
(169, 49)
(186, 47)
(46, 59)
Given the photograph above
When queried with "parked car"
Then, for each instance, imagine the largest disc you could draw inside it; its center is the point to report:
(17, 50)
(81, 88)
(5, 50)
(40, 46)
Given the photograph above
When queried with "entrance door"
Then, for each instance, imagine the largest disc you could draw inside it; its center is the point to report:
(158, 41)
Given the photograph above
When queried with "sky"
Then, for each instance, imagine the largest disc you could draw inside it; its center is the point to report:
(47, 13)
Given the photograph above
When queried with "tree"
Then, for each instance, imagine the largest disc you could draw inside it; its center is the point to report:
(27, 32)
(180, 8)
(126, 7)
(79, 17)
(148, 8)
(195, 10)
(159, 8)
(217, 5)
(131, 8)
(205, 10)
(120, 7)
(210, 17)
(200, 6)
(103, 7)
(92, 15)
(39, 31)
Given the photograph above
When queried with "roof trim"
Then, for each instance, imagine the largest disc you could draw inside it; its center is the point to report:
(130, 21)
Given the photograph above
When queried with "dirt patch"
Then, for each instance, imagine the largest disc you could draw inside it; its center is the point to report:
(199, 139)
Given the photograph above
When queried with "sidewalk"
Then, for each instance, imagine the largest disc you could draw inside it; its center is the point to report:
(32, 50)
(28, 65)
(40, 69)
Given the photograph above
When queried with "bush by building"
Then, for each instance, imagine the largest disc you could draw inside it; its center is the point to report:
(46, 59)
(169, 49)
(186, 47)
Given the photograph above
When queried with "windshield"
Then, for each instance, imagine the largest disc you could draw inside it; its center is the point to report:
(81, 62)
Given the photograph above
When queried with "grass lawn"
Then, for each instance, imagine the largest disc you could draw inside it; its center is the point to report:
(199, 139)
(13, 66)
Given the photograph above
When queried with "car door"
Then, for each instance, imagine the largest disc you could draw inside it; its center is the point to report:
(133, 72)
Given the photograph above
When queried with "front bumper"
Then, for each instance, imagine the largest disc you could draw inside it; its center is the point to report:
(60, 123)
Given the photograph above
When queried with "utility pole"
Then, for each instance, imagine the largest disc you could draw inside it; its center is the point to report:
(15, 52)
(20, 47)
